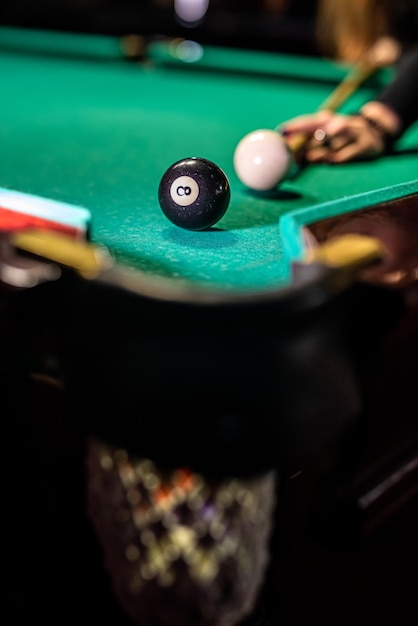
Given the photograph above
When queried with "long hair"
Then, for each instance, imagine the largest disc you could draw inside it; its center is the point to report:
(345, 29)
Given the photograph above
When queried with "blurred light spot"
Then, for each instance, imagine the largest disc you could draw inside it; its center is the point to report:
(191, 11)
(132, 553)
(165, 579)
(189, 51)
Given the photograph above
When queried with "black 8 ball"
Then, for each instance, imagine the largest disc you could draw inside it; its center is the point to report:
(194, 193)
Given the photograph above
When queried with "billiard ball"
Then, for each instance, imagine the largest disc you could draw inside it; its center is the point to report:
(194, 193)
(262, 159)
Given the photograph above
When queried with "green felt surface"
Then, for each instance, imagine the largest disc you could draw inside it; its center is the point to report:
(100, 132)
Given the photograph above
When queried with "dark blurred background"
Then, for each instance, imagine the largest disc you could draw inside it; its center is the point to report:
(283, 25)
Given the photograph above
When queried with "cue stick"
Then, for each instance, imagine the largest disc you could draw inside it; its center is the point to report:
(382, 53)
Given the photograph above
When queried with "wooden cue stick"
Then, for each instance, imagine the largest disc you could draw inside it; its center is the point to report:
(348, 85)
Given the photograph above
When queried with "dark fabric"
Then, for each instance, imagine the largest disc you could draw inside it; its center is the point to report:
(402, 93)
(404, 21)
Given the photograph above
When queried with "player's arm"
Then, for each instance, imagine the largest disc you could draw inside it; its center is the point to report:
(401, 95)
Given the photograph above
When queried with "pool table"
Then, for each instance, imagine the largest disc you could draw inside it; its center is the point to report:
(225, 350)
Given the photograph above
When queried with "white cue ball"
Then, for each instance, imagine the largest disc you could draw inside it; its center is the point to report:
(262, 159)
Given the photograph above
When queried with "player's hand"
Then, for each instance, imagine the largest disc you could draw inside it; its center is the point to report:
(336, 138)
